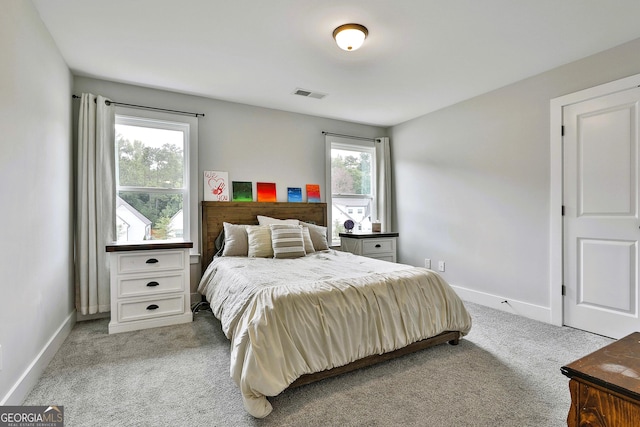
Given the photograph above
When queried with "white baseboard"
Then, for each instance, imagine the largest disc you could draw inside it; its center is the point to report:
(531, 311)
(82, 317)
(32, 374)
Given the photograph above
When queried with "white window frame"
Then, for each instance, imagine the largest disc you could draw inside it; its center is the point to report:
(343, 143)
(189, 126)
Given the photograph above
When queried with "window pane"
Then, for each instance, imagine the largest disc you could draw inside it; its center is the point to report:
(149, 157)
(149, 216)
(356, 209)
(351, 172)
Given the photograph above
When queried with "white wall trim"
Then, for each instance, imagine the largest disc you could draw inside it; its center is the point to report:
(555, 212)
(555, 205)
(531, 311)
(31, 375)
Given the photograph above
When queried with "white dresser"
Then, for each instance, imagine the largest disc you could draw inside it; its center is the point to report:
(149, 285)
(372, 245)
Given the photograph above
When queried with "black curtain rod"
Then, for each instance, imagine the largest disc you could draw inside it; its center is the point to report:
(351, 136)
(186, 113)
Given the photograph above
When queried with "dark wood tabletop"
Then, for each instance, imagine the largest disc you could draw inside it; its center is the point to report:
(615, 367)
(368, 234)
(148, 245)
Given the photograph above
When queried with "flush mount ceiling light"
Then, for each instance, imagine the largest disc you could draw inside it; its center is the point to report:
(350, 36)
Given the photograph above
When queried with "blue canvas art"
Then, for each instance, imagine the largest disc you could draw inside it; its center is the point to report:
(294, 194)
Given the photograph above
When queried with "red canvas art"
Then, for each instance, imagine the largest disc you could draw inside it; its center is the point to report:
(266, 191)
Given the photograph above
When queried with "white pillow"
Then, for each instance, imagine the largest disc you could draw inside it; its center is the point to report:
(259, 241)
(235, 240)
(287, 241)
(266, 220)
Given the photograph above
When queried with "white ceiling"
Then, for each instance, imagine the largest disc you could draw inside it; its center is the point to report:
(420, 56)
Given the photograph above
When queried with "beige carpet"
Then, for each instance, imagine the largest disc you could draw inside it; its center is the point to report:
(506, 372)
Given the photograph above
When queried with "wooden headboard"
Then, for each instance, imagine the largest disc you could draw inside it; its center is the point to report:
(214, 214)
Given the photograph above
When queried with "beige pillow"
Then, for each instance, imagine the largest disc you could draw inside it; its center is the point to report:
(235, 240)
(287, 241)
(308, 243)
(318, 235)
(259, 241)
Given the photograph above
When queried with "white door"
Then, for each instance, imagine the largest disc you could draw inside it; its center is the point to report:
(601, 224)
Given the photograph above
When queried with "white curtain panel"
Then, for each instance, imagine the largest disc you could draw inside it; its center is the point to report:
(95, 203)
(383, 166)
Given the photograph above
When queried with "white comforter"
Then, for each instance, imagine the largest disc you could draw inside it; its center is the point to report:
(290, 317)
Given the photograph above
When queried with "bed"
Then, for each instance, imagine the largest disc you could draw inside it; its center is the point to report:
(297, 318)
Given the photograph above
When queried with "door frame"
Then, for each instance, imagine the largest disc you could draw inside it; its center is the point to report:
(556, 250)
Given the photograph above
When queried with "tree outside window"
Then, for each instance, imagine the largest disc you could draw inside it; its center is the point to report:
(150, 179)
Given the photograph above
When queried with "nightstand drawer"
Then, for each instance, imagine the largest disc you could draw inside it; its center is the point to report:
(150, 261)
(150, 308)
(373, 245)
(377, 246)
(386, 257)
(149, 284)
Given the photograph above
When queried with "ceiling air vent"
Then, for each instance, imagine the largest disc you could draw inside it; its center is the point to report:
(309, 94)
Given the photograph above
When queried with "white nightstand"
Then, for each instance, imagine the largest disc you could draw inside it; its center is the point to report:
(372, 245)
(149, 285)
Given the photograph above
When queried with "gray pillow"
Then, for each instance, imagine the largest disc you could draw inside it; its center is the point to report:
(235, 240)
(318, 235)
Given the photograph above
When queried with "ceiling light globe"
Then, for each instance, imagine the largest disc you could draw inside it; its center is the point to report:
(350, 37)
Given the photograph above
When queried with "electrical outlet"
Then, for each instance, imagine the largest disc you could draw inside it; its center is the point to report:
(427, 263)
(441, 266)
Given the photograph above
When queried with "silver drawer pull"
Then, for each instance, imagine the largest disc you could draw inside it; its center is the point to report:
(151, 284)
(378, 245)
(152, 307)
(152, 261)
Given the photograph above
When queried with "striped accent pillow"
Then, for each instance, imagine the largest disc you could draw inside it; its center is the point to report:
(287, 241)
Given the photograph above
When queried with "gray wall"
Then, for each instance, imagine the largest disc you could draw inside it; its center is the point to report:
(251, 143)
(472, 184)
(36, 286)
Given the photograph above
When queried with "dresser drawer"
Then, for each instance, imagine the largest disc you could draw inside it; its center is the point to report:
(142, 262)
(150, 308)
(150, 284)
(378, 246)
